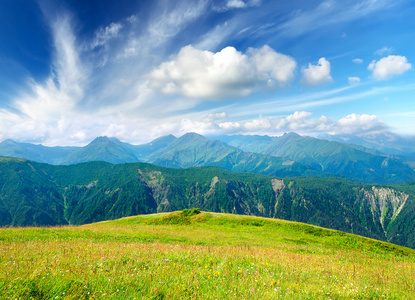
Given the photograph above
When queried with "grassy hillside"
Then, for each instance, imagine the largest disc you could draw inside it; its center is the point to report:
(40, 194)
(205, 256)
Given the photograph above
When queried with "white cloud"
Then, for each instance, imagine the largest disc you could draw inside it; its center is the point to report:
(384, 51)
(103, 35)
(235, 4)
(230, 126)
(258, 124)
(272, 65)
(353, 80)
(299, 121)
(318, 74)
(357, 60)
(355, 123)
(302, 122)
(201, 127)
(227, 73)
(389, 66)
(215, 116)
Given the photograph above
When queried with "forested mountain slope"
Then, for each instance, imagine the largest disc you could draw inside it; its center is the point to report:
(40, 194)
(331, 157)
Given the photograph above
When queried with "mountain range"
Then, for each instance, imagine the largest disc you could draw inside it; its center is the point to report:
(385, 142)
(288, 155)
(36, 194)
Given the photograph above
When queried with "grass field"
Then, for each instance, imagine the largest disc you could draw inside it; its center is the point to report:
(205, 256)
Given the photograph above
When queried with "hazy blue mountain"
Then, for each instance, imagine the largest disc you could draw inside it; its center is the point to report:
(385, 142)
(332, 157)
(144, 151)
(192, 150)
(39, 194)
(288, 155)
(39, 153)
(103, 149)
(250, 143)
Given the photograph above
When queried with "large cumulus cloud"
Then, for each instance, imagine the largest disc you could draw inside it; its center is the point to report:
(389, 66)
(228, 73)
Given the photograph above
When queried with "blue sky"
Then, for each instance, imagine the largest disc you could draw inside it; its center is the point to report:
(136, 70)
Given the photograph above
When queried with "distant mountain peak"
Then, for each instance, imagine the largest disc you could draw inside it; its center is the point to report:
(169, 137)
(9, 142)
(104, 139)
(101, 138)
(291, 133)
(192, 136)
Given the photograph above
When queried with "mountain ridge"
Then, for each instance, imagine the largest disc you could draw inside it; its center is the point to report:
(288, 155)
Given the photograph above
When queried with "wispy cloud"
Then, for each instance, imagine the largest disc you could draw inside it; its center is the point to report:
(384, 51)
(353, 80)
(41, 111)
(60, 92)
(164, 24)
(330, 12)
(103, 35)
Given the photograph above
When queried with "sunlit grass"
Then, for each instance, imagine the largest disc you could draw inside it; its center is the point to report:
(212, 257)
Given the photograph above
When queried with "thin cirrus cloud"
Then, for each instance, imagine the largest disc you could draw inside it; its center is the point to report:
(228, 73)
(384, 51)
(65, 87)
(389, 66)
(319, 74)
(103, 35)
(354, 80)
(48, 112)
(330, 12)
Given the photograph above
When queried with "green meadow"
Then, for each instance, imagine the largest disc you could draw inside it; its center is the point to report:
(202, 256)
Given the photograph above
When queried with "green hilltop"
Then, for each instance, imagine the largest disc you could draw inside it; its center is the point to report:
(191, 255)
